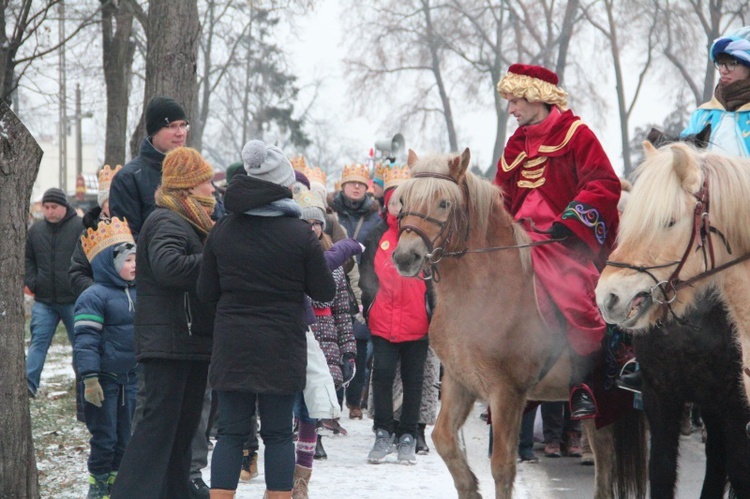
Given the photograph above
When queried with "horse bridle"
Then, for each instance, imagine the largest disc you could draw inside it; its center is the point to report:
(701, 232)
(435, 255)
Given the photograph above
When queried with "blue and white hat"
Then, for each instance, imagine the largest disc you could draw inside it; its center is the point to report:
(736, 44)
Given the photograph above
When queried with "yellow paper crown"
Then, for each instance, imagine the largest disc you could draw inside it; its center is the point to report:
(355, 173)
(105, 176)
(380, 169)
(315, 175)
(107, 234)
(299, 163)
(394, 175)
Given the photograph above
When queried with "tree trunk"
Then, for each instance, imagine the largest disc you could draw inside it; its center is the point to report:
(566, 33)
(171, 57)
(19, 163)
(117, 50)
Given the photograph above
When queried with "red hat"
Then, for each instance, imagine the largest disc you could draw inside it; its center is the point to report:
(533, 83)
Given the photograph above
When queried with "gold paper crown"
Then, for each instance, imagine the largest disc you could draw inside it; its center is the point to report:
(299, 163)
(105, 176)
(315, 175)
(395, 175)
(380, 168)
(355, 173)
(107, 234)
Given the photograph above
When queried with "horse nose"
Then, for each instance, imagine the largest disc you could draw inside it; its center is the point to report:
(608, 303)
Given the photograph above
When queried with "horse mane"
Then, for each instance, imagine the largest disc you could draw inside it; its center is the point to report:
(658, 197)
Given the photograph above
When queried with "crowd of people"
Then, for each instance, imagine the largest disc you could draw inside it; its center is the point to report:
(270, 305)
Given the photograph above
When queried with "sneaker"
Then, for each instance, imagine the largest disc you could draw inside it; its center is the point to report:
(407, 448)
(111, 480)
(384, 443)
(552, 449)
(527, 456)
(249, 468)
(98, 486)
(330, 427)
(199, 489)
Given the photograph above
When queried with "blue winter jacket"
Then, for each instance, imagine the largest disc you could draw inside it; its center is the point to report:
(730, 130)
(104, 316)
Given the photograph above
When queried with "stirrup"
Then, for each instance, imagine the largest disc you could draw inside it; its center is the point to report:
(627, 364)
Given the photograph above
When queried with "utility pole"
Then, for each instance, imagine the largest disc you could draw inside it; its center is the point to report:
(63, 136)
(79, 139)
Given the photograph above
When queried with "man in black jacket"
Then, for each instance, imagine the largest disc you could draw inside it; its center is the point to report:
(132, 192)
(49, 246)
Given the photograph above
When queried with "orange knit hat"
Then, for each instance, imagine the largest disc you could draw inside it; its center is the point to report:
(184, 168)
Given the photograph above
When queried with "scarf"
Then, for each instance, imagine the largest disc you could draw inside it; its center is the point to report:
(189, 206)
(734, 95)
(280, 208)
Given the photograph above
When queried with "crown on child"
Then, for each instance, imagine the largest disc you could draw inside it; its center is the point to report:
(316, 175)
(299, 163)
(395, 175)
(380, 169)
(105, 176)
(107, 234)
(355, 173)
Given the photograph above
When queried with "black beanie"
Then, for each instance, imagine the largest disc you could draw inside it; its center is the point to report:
(160, 112)
(55, 195)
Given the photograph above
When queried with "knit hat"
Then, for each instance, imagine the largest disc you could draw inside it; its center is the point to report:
(160, 112)
(55, 195)
(533, 83)
(312, 208)
(184, 168)
(121, 252)
(736, 44)
(267, 163)
(233, 169)
(106, 175)
(355, 173)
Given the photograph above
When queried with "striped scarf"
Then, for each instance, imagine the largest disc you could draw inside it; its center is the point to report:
(189, 206)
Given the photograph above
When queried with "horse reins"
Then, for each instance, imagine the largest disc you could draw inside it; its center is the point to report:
(435, 255)
(701, 227)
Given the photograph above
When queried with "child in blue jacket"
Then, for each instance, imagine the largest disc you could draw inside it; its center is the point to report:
(104, 351)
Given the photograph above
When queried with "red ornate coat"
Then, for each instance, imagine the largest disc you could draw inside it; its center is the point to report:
(557, 171)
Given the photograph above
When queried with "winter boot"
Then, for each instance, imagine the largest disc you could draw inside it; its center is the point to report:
(320, 452)
(422, 448)
(383, 446)
(249, 468)
(98, 486)
(407, 449)
(573, 444)
(301, 482)
(355, 411)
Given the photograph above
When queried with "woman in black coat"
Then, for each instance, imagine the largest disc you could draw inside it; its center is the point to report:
(259, 262)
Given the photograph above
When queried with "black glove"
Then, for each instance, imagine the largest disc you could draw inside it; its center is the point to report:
(348, 368)
(560, 231)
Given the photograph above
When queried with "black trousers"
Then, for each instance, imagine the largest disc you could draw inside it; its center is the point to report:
(411, 356)
(157, 460)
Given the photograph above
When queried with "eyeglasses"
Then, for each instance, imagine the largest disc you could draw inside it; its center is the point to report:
(183, 127)
(727, 65)
(316, 224)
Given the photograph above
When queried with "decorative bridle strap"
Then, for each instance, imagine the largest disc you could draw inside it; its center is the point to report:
(441, 176)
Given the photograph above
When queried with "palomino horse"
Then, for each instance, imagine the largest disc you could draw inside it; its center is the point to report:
(487, 329)
(687, 227)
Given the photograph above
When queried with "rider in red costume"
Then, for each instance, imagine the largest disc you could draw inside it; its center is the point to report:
(556, 178)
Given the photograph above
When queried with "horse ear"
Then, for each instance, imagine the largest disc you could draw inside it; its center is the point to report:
(648, 149)
(459, 165)
(412, 158)
(656, 137)
(703, 136)
(687, 171)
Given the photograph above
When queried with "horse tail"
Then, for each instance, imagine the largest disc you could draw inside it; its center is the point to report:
(631, 455)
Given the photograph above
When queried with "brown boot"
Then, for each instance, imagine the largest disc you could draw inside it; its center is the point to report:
(301, 482)
(249, 466)
(222, 494)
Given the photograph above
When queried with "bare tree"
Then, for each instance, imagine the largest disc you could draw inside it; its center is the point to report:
(20, 156)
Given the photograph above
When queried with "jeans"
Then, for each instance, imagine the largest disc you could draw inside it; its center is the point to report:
(300, 410)
(109, 424)
(44, 320)
(235, 424)
(411, 355)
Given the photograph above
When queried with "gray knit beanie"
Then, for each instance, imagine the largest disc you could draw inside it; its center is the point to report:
(267, 163)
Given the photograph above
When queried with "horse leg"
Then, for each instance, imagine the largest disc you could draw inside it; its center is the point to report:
(456, 404)
(716, 461)
(507, 408)
(734, 417)
(664, 418)
(602, 446)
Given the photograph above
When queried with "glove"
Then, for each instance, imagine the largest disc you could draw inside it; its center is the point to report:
(560, 231)
(93, 393)
(348, 368)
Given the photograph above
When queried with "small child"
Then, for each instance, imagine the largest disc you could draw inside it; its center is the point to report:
(104, 352)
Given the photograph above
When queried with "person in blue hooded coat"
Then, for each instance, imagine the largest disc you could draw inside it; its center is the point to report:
(104, 352)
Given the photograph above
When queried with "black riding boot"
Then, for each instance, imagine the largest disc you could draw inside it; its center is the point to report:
(582, 401)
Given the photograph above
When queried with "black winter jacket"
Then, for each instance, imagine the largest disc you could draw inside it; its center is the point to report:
(170, 321)
(80, 274)
(131, 195)
(257, 269)
(48, 251)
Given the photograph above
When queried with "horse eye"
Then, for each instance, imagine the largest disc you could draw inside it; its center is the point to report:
(671, 222)
(445, 204)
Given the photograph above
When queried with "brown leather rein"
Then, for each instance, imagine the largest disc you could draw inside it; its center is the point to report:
(701, 236)
(435, 255)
